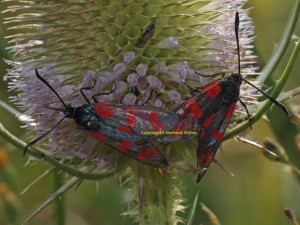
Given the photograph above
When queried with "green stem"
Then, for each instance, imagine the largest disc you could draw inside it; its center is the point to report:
(162, 199)
(38, 153)
(60, 202)
(10, 109)
(283, 44)
(278, 87)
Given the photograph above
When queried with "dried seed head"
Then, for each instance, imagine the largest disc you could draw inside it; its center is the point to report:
(290, 214)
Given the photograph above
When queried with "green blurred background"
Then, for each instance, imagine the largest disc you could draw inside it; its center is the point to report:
(257, 195)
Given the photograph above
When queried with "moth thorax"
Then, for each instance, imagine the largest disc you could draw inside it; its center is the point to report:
(69, 112)
(86, 119)
(231, 88)
(236, 77)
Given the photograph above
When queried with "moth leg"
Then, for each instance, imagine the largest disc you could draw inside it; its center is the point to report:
(151, 93)
(86, 88)
(37, 139)
(211, 75)
(248, 115)
(192, 90)
(105, 93)
(189, 87)
(196, 90)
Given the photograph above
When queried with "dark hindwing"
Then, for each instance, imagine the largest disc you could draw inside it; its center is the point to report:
(133, 146)
(211, 135)
(121, 127)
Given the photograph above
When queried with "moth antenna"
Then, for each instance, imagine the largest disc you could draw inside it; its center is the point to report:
(278, 104)
(248, 114)
(281, 106)
(49, 86)
(41, 136)
(236, 26)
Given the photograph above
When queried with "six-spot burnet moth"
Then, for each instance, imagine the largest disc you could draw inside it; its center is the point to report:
(120, 126)
(210, 111)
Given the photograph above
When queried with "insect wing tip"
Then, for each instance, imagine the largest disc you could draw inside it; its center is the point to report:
(201, 174)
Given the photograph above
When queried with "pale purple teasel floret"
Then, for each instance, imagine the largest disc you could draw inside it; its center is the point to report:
(158, 102)
(129, 99)
(118, 69)
(170, 42)
(142, 69)
(161, 67)
(128, 57)
(154, 82)
(132, 79)
(174, 96)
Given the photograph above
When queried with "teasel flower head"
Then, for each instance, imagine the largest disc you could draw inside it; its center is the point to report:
(146, 48)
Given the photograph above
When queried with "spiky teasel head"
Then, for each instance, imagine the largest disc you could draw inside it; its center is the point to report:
(147, 48)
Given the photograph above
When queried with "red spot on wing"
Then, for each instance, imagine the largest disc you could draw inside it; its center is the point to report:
(124, 145)
(209, 120)
(99, 136)
(217, 135)
(154, 120)
(125, 129)
(131, 111)
(196, 111)
(190, 103)
(230, 111)
(212, 90)
(100, 105)
(131, 118)
(202, 133)
(148, 153)
(102, 110)
(205, 159)
(153, 116)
